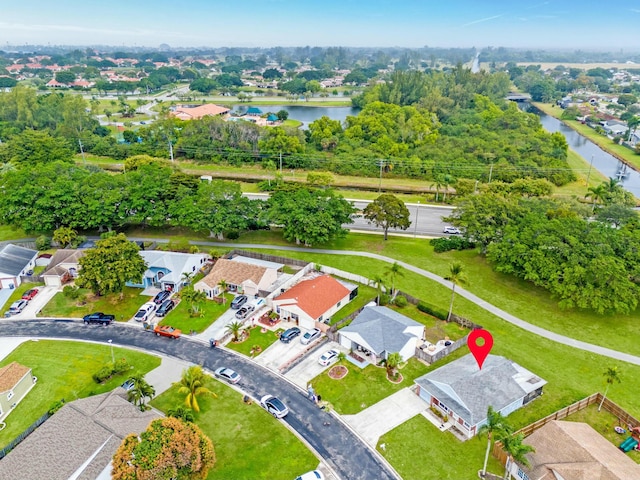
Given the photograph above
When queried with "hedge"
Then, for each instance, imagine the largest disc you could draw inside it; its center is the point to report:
(432, 310)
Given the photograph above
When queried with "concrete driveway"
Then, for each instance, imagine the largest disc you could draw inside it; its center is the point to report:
(279, 353)
(386, 415)
(218, 329)
(309, 368)
(169, 371)
(37, 303)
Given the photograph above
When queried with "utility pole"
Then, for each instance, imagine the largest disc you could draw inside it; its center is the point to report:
(415, 227)
(280, 163)
(589, 174)
(170, 150)
(490, 172)
(382, 163)
(84, 160)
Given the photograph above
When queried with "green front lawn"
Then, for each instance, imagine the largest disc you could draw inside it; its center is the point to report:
(362, 388)
(64, 371)
(124, 309)
(8, 232)
(256, 337)
(249, 443)
(366, 294)
(210, 311)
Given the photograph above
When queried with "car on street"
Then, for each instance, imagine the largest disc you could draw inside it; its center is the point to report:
(165, 308)
(245, 311)
(227, 374)
(18, 306)
(145, 312)
(29, 294)
(452, 230)
(328, 357)
(167, 331)
(99, 317)
(238, 301)
(310, 336)
(161, 297)
(289, 334)
(274, 406)
(128, 385)
(312, 475)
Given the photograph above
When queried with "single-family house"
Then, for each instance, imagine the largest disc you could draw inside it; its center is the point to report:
(169, 270)
(314, 301)
(614, 128)
(240, 274)
(463, 392)
(15, 261)
(195, 112)
(15, 382)
(79, 441)
(63, 267)
(573, 451)
(378, 331)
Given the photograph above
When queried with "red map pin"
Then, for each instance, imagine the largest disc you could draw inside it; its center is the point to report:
(480, 352)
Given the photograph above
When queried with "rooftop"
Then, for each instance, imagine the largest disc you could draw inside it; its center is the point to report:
(314, 296)
(11, 374)
(14, 259)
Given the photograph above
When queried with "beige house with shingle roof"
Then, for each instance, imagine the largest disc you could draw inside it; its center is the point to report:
(78, 441)
(15, 382)
(246, 278)
(63, 267)
(573, 451)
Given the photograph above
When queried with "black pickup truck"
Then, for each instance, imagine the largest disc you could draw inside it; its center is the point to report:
(99, 317)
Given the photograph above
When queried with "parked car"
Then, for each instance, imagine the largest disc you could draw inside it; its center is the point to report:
(165, 308)
(245, 311)
(274, 406)
(227, 374)
(310, 336)
(161, 297)
(238, 301)
(289, 334)
(29, 294)
(128, 385)
(145, 312)
(452, 230)
(328, 357)
(18, 306)
(99, 317)
(313, 475)
(167, 331)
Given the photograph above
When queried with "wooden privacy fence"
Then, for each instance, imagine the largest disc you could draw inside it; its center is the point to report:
(267, 257)
(623, 416)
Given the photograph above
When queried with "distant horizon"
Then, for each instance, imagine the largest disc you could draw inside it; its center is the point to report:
(540, 25)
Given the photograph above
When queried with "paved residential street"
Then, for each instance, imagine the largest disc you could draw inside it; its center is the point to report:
(343, 451)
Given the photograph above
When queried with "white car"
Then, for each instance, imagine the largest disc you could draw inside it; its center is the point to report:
(329, 357)
(310, 336)
(313, 475)
(452, 230)
(145, 312)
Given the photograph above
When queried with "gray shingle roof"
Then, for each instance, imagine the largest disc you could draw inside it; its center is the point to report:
(14, 259)
(382, 329)
(73, 435)
(469, 391)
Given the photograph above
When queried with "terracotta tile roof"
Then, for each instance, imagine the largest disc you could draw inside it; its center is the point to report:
(315, 296)
(11, 374)
(234, 273)
(200, 111)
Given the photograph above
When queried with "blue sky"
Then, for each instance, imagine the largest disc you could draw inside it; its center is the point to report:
(383, 23)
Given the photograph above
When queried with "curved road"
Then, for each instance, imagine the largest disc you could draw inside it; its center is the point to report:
(340, 448)
(589, 347)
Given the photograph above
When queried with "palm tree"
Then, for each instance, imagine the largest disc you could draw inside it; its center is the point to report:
(393, 360)
(438, 185)
(378, 282)
(186, 278)
(223, 285)
(611, 375)
(140, 391)
(516, 450)
(456, 276)
(192, 385)
(495, 426)
(597, 194)
(235, 329)
(447, 180)
(392, 272)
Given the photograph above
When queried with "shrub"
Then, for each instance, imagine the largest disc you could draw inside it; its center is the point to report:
(232, 234)
(432, 310)
(55, 406)
(43, 242)
(79, 240)
(384, 299)
(450, 243)
(71, 292)
(401, 301)
(120, 366)
(103, 374)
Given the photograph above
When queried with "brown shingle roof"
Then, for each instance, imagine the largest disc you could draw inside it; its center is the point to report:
(576, 452)
(234, 273)
(10, 375)
(64, 255)
(316, 296)
(200, 111)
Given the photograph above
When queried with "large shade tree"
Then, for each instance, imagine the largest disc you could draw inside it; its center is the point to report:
(113, 262)
(169, 449)
(387, 211)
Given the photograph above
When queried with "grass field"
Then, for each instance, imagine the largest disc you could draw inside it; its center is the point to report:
(64, 371)
(123, 308)
(256, 337)
(180, 318)
(249, 443)
(8, 232)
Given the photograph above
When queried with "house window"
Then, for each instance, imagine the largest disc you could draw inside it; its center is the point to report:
(193, 269)
(522, 475)
(320, 318)
(10, 395)
(338, 305)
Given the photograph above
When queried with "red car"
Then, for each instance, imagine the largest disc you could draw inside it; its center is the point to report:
(167, 331)
(29, 294)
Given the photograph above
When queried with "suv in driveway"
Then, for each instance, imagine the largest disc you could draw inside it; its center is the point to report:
(238, 301)
(145, 312)
(245, 311)
(161, 297)
(18, 306)
(165, 308)
(289, 334)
